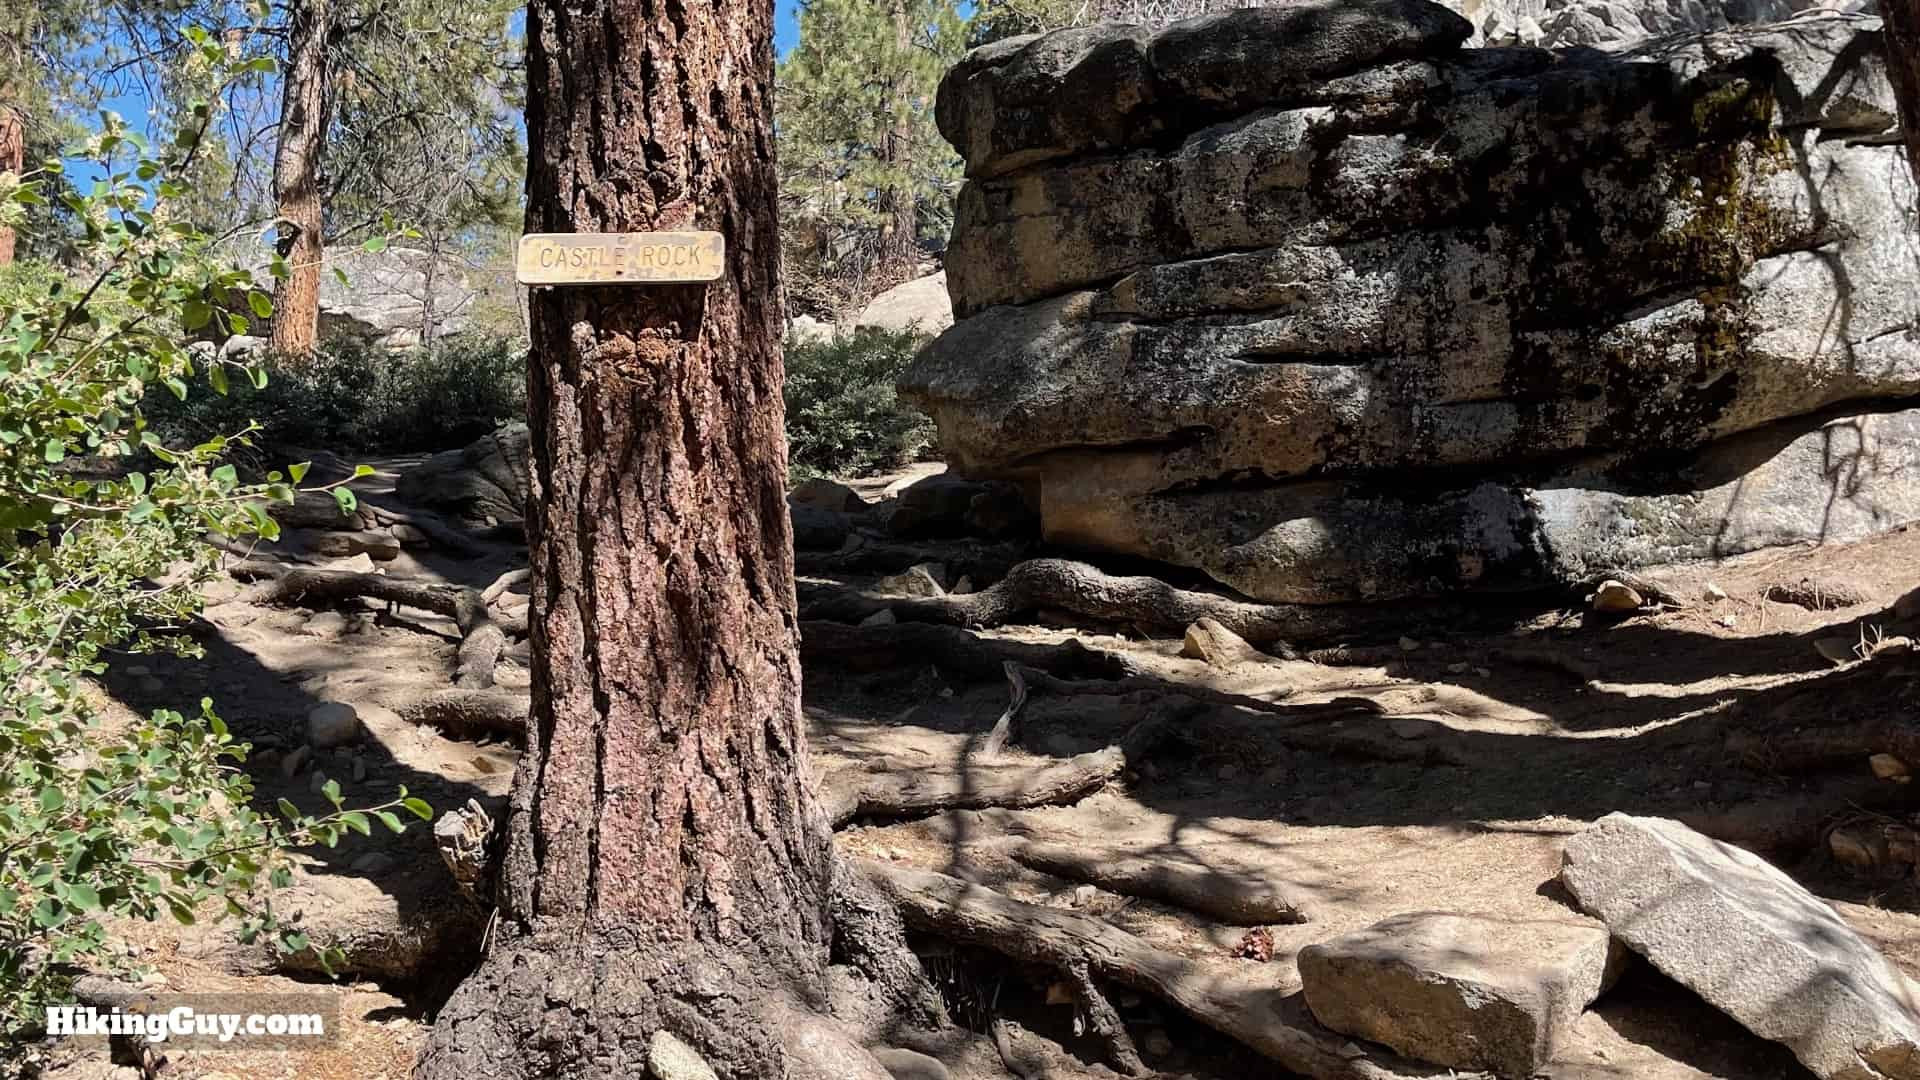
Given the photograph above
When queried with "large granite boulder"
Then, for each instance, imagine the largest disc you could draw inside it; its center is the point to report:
(1747, 938)
(486, 481)
(1333, 309)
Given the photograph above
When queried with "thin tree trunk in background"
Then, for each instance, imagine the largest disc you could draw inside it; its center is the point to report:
(898, 245)
(13, 153)
(296, 177)
(666, 862)
(1902, 19)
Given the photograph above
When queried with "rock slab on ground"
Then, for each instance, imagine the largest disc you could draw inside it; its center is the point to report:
(1462, 990)
(1751, 941)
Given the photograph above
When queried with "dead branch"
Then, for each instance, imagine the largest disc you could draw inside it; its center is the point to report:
(1233, 897)
(1060, 584)
(1003, 727)
(1242, 1004)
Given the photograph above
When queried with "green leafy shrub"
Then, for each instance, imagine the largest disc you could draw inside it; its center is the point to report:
(843, 417)
(354, 398)
(100, 527)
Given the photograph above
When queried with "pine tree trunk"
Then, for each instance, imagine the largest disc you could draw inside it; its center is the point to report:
(296, 177)
(13, 152)
(666, 862)
(1902, 19)
(898, 245)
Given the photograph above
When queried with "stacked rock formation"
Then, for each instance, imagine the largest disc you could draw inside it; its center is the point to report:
(1318, 302)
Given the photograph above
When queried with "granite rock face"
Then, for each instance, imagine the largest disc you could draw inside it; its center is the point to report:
(1748, 939)
(1319, 302)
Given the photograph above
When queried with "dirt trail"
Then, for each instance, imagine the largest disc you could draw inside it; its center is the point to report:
(1437, 774)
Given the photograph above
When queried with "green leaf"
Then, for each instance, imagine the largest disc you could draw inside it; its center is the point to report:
(289, 811)
(346, 499)
(357, 821)
(418, 808)
(56, 451)
(362, 470)
(298, 472)
(217, 378)
(238, 324)
(331, 789)
(196, 314)
(51, 799)
(375, 246)
(83, 897)
(390, 820)
(261, 303)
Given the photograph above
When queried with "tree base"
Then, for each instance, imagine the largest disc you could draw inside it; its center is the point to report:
(587, 1007)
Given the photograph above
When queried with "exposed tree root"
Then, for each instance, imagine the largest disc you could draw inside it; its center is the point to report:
(1142, 687)
(1845, 746)
(869, 937)
(1017, 699)
(1059, 584)
(1245, 1007)
(482, 637)
(469, 713)
(1103, 1020)
(889, 789)
(971, 558)
(1234, 898)
(952, 649)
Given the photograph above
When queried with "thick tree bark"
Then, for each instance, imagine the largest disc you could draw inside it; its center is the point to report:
(296, 177)
(667, 864)
(1902, 19)
(13, 152)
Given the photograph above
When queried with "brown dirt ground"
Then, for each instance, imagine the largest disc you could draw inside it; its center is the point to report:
(1475, 754)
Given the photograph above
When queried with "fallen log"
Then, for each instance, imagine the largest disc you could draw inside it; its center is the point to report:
(467, 713)
(1083, 590)
(1240, 1001)
(1236, 898)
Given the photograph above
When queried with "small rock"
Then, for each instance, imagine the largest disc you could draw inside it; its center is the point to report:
(921, 580)
(331, 724)
(909, 1065)
(153, 978)
(1209, 640)
(1888, 767)
(1460, 668)
(1465, 991)
(409, 535)
(1616, 598)
(962, 587)
(1407, 644)
(1839, 650)
(824, 494)
(325, 624)
(883, 617)
(151, 686)
(1485, 673)
(358, 564)
(1227, 773)
(359, 769)
(377, 546)
(1729, 620)
(316, 781)
(1713, 592)
(1083, 895)
(1854, 848)
(670, 1059)
(1157, 1043)
(291, 765)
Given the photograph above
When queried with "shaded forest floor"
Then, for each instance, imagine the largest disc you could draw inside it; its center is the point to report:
(1439, 770)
